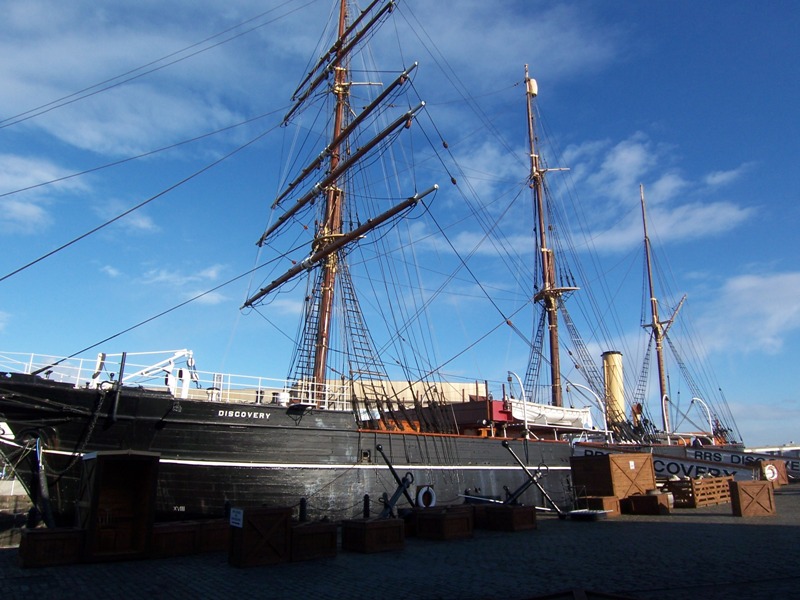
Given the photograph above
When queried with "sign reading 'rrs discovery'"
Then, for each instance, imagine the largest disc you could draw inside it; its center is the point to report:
(667, 466)
(743, 458)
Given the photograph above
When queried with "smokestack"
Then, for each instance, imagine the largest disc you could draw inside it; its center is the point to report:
(614, 388)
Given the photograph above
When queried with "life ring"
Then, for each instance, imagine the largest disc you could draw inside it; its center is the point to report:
(426, 497)
(770, 472)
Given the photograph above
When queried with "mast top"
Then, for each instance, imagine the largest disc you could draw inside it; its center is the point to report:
(532, 87)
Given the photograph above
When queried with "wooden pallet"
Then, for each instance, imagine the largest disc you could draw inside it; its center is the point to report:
(694, 493)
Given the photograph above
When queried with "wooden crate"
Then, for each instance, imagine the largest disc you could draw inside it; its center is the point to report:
(179, 538)
(609, 504)
(619, 475)
(259, 536)
(694, 493)
(646, 504)
(49, 547)
(448, 523)
(213, 535)
(752, 498)
(373, 535)
(116, 504)
(504, 517)
(773, 470)
(311, 541)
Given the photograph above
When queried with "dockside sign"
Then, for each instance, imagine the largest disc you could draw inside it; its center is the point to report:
(743, 458)
(668, 466)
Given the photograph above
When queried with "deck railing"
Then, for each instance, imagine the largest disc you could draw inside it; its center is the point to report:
(174, 371)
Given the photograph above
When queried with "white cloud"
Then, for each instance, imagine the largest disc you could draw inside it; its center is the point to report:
(487, 166)
(29, 211)
(755, 313)
(609, 174)
(681, 223)
(718, 178)
(22, 217)
(208, 298)
(75, 47)
(18, 172)
(110, 271)
(178, 279)
(557, 40)
(137, 221)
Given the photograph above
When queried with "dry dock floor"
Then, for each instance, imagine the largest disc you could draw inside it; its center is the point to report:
(692, 553)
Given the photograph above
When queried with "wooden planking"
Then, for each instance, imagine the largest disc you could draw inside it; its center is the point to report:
(694, 493)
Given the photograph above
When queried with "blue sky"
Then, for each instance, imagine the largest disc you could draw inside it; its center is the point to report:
(697, 101)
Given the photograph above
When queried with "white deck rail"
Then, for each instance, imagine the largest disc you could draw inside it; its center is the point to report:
(173, 371)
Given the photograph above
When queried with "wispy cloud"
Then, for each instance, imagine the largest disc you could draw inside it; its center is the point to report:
(139, 221)
(22, 217)
(110, 271)
(558, 40)
(176, 278)
(675, 223)
(77, 47)
(208, 298)
(29, 211)
(720, 178)
(610, 173)
(765, 324)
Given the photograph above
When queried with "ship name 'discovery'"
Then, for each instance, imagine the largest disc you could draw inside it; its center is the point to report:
(243, 414)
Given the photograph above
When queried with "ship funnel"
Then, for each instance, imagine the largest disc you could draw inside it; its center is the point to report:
(614, 389)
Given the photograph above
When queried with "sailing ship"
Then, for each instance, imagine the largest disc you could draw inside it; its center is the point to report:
(351, 414)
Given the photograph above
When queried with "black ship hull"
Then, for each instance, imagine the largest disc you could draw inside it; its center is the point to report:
(214, 455)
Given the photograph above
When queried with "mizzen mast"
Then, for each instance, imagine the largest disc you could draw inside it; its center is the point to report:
(550, 294)
(658, 327)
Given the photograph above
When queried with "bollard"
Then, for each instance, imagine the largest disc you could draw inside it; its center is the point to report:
(303, 510)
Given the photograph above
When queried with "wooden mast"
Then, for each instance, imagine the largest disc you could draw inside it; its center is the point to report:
(657, 326)
(331, 227)
(549, 294)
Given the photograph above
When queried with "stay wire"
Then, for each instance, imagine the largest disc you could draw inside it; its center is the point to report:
(143, 155)
(157, 316)
(138, 206)
(122, 79)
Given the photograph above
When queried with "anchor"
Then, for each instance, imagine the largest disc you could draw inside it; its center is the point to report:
(402, 488)
(533, 479)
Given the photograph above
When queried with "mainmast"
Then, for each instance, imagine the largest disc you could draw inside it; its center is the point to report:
(324, 182)
(331, 227)
(549, 294)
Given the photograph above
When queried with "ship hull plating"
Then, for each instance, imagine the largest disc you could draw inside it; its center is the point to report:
(215, 455)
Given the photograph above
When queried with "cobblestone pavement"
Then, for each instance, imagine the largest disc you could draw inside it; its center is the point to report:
(692, 553)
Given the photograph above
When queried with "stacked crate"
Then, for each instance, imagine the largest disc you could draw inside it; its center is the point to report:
(609, 481)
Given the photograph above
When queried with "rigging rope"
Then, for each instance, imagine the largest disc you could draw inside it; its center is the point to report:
(143, 70)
